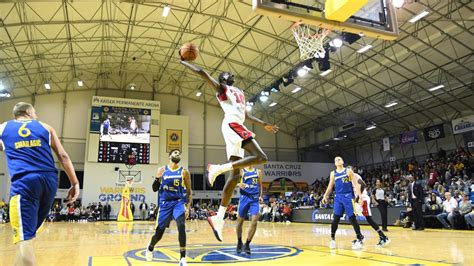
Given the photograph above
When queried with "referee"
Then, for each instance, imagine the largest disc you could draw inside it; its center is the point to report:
(380, 200)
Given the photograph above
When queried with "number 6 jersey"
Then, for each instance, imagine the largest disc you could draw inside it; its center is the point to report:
(27, 147)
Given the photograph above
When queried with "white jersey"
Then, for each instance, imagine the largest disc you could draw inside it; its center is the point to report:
(232, 102)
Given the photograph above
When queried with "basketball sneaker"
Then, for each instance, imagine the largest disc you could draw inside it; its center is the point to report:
(213, 170)
(239, 247)
(332, 244)
(357, 244)
(148, 255)
(182, 262)
(247, 249)
(383, 242)
(216, 225)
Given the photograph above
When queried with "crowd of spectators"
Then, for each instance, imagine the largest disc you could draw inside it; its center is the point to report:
(442, 175)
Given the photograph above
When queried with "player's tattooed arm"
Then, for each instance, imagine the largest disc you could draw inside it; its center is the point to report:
(268, 127)
(220, 88)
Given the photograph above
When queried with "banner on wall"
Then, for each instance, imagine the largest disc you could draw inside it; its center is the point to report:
(463, 124)
(174, 140)
(386, 144)
(280, 177)
(434, 132)
(410, 137)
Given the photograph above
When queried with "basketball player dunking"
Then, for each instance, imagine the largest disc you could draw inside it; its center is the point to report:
(250, 197)
(174, 185)
(237, 138)
(364, 210)
(344, 183)
(34, 177)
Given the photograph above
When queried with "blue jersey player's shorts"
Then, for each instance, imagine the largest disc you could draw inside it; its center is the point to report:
(248, 205)
(32, 196)
(344, 203)
(169, 209)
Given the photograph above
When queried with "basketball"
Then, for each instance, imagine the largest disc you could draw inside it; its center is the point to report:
(189, 51)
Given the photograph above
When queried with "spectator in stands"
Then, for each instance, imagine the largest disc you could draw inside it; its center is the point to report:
(465, 209)
(434, 204)
(107, 210)
(132, 208)
(286, 213)
(152, 212)
(266, 213)
(2, 214)
(143, 210)
(449, 205)
(100, 211)
(70, 213)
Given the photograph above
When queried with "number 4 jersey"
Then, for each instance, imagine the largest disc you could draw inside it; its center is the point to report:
(27, 147)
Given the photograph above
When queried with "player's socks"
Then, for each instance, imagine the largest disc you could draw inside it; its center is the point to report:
(221, 212)
(226, 167)
(333, 236)
(182, 253)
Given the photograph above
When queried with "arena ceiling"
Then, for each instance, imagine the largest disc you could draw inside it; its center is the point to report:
(111, 44)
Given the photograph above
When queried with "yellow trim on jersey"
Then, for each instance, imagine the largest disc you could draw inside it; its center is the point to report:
(47, 129)
(174, 170)
(15, 219)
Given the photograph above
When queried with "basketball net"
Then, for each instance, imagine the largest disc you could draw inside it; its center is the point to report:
(129, 182)
(311, 45)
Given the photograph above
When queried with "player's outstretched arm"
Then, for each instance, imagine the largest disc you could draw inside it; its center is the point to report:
(189, 191)
(220, 88)
(268, 127)
(65, 161)
(329, 188)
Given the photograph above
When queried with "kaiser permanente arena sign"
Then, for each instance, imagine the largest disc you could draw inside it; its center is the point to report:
(296, 171)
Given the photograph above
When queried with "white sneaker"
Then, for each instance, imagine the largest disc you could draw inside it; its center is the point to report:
(332, 244)
(357, 244)
(148, 255)
(182, 262)
(213, 170)
(216, 225)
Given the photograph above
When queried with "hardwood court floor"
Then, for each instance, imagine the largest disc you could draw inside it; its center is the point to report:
(115, 244)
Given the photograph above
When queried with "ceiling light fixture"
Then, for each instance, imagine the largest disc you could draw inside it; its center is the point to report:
(272, 104)
(166, 11)
(337, 42)
(198, 93)
(364, 49)
(371, 127)
(390, 104)
(398, 3)
(295, 90)
(419, 16)
(80, 83)
(436, 87)
(324, 73)
(47, 86)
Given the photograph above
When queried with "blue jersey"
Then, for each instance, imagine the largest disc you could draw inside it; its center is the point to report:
(106, 124)
(342, 183)
(172, 184)
(27, 147)
(251, 179)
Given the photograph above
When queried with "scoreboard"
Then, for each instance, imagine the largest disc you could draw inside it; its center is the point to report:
(118, 152)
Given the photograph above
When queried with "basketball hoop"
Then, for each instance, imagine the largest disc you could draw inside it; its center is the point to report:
(311, 45)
